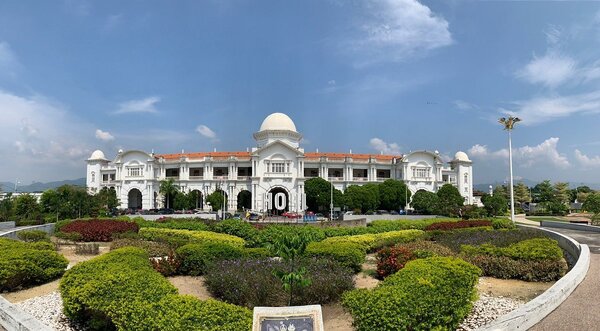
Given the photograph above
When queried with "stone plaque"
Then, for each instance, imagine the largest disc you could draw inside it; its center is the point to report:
(298, 318)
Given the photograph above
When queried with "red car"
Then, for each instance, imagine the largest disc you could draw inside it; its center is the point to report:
(291, 215)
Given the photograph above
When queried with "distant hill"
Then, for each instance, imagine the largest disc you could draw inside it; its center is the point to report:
(531, 183)
(40, 187)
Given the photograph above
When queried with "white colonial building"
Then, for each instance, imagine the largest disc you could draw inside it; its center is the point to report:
(272, 174)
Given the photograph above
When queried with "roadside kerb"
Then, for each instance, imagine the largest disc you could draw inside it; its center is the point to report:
(11, 317)
(535, 310)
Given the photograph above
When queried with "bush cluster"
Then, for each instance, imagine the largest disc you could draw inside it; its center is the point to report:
(348, 254)
(427, 294)
(477, 236)
(257, 284)
(374, 241)
(154, 249)
(196, 258)
(238, 228)
(445, 226)
(25, 264)
(503, 223)
(120, 290)
(392, 259)
(33, 235)
(539, 259)
(195, 224)
(98, 229)
(177, 238)
(395, 225)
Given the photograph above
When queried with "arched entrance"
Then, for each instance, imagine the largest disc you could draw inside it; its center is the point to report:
(278, 201)
(196, 199)
(134, 199)
(244, 200)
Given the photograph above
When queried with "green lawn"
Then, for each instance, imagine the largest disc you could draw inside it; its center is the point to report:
(546, 218)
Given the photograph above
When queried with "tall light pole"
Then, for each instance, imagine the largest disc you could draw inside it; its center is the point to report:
(17, 182)
(509, 124)
(331, 203)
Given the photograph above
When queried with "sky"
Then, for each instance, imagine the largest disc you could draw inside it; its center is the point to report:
(388, 76)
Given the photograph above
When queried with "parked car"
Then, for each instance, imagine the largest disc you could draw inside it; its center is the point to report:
(291, 215)
(320, 217)
(165, 211)
(255, 217)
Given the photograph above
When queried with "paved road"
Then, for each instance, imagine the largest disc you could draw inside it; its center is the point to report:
(581, 310)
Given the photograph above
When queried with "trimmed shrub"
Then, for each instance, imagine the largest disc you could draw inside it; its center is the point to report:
(346, 253)
(445, 226)
(257, 285)
(375, 241)
(33, 235)
(425, 248)
(271, 233)
(177, 238)
(238, 228)
(503, 223)
(257, 252)
(396, 225)
(98, 229)
(392, 259)
(25, 264)
(120, 290)
(477, 236)
(537, 249)
(427, 294)
(195, 258)
(194, 224)
(154, 249)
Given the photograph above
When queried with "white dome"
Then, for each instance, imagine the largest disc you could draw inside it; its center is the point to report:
(278, 121)
(97, 155)
(461, 156)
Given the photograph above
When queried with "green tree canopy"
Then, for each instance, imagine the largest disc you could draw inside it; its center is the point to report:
(168, 189)
(495, 205)
(450, 200)
(561, 193)
(7, 208)
(592, 205)
(318, 194)
(543, 192)
(425, 202)
(107, 198)
(393, 195)
(27, 207)
(521, 192)
(215, 200)
(361, 197)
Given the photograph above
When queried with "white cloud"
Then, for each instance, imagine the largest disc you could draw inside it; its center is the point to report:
(206, 131)
(464, 105)
(587, 161)
(103, 135)
(398, 29)
(526, 156)
(383, 147)
(146, 105)
(542, 109)
(7, 57)
(551, 70)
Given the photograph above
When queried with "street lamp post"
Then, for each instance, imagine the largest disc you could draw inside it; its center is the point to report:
(331, 203)
(509, 124)
(16, 184)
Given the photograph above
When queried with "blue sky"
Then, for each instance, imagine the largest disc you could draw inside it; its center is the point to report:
(370, 76)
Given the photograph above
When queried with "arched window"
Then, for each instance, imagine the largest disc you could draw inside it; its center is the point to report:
(93, 177)
(466, 178)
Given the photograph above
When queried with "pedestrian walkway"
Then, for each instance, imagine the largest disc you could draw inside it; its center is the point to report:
(581, 310)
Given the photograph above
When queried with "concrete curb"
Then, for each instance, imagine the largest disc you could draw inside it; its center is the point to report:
(11, 317)
(572, 226)
(535, 310)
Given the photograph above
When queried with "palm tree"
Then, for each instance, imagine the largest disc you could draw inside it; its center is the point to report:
(168, 188)
(509, 124)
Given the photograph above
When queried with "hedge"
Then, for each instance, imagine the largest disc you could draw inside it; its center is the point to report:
(120, 290)
(33, 235)
(432, 293)
(346, 253)
(375, 241)
(98, 229)
(445, 226)
(173, 223)
(395, 225)
(25, 264)
(182, 237)
(196, 258)
(537, 249)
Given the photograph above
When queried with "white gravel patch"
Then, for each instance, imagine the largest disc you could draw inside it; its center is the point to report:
(48, 310)
(487, 309)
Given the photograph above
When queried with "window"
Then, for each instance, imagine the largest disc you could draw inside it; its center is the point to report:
(466, 178)
(420, 172)
(93, 177)
(278, 167)
(134, 172)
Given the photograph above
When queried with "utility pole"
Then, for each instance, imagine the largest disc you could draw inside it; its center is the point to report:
(509, 124)
(331, 203)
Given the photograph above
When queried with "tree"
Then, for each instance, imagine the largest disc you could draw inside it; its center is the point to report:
(393, 194)
(450, 200)
(107, 198)
(495, 205)
(26, 207)
(360, 197)
(372, 190)
(543, 192)
(501, 190)
(318, 194)
(7, 208)
(181, 201)
(215, 199)
(561, 193)
(592, 205)
(425, 202)
(168, 189)
(244, 200)
(522, 193)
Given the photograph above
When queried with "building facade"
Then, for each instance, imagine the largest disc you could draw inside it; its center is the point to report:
(271, 175)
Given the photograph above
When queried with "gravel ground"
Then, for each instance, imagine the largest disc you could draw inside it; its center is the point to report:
(487, 309)
(48, 310)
